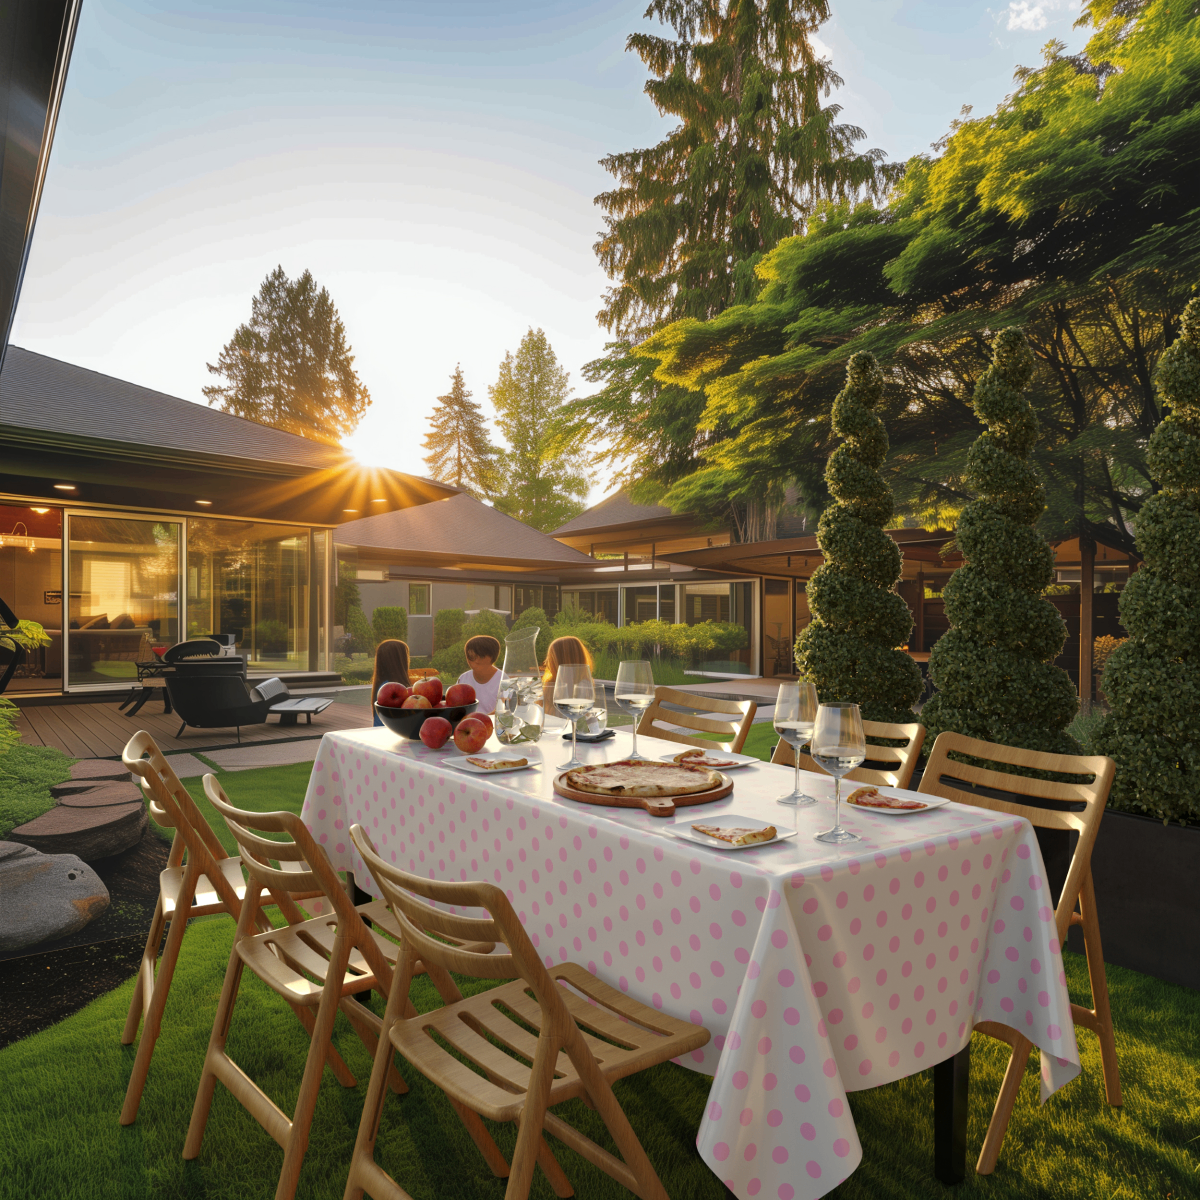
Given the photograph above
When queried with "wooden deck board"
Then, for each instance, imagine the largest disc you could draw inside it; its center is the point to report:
(101, 730)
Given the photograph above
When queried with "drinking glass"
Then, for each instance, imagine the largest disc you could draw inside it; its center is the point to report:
(634, 693)
(838, 746)
(795, 714)
(574, 695)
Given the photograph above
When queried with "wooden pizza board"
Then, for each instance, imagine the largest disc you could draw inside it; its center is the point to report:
(656, 806)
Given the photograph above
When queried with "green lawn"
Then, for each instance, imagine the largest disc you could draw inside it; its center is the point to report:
(59, 1135)
(26, 775)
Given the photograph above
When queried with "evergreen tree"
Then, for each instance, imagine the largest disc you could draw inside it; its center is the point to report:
(290, 366)
(858, 620)
(544, 483)
(1153, 681)
(460, 451)
(994, 667)
(754, 149)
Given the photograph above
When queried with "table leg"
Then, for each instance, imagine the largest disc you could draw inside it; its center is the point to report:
(166, 702)
(137, 704)
(951, 1084)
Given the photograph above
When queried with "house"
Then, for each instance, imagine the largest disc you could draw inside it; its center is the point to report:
(131, 520)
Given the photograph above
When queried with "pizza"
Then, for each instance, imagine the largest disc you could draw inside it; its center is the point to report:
(698, 758)
(649, 779)
(498, 764)
(737, 837)
(869, 797)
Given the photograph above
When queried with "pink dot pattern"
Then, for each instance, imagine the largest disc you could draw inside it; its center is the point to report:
(818, 970)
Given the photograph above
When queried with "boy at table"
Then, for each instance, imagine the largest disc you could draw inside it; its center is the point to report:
(484, 676)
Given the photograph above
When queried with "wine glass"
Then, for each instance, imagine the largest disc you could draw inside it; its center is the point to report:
(838, 746)
(634, 693)
(795, 714)
(574, 694)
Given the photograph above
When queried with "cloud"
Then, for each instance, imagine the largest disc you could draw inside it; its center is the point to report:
(1023, 15)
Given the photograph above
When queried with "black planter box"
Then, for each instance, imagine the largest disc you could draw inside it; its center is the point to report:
(1147, 878)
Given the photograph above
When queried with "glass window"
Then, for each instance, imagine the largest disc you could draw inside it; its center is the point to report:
(777, 628)
(641, 604)
(418, 599)
(251, 579)
(124, 601)
(730, 605)
(600, 603)
(31, 584)
(666, 603)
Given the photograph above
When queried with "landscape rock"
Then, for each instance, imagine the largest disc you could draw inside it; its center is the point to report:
(46, 896)
(103, 795)
(89, 832)
(90, 771)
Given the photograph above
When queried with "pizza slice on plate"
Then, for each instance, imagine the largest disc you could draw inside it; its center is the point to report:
(869, 797)
(698, 758)
(498, 764)
(737, 837)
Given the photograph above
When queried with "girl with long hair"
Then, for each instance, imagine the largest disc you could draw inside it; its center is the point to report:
(391, 666)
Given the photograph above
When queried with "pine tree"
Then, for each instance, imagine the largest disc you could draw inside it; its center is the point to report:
(858, 620)
(544, 483)
(460, 451)
(1152, 681)
(289, 366)
(754, 150)
(994, 668)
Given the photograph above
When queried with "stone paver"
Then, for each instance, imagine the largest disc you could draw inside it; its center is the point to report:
(278, 755)
(186, 766)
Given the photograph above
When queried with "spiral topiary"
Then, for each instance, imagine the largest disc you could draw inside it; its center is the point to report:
(1152, 681)
(858, 620)
(994, 668)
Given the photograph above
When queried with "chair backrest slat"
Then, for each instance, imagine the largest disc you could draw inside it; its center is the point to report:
(733, 733)
(409, 898)
(903, 758)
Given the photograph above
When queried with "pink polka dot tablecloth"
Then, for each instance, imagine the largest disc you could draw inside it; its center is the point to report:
(819, 970)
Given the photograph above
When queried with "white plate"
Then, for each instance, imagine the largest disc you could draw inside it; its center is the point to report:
(929, 802)
(683, 830)
(460, 763)
(734, 760)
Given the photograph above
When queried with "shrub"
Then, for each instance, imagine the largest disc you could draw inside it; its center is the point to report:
(447, 627)
(390, 621)
(858, 620)
(1152, 682)
(9, 737)
(572, 616)
(273, 635)
(451, 660)
(994, 668)
(490, 623)
(536, 616)
(26, 775)
(1102, 649)
(362, 636)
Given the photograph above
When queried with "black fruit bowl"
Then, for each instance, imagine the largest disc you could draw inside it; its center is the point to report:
(407, 722)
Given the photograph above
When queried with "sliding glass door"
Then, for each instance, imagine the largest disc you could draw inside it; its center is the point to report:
(123, 595)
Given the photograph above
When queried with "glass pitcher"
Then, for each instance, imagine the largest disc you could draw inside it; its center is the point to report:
(519, 712)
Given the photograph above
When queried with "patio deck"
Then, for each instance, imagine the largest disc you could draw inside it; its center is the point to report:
(101, 730)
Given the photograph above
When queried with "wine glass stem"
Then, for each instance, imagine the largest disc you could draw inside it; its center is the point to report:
(796, 754)
(633, 753)
(574, 731)
(837, 802)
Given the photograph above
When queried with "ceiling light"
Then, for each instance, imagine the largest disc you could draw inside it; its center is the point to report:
(206, 502)
(349, 510)
(64, 487)
(379, 500)
(41, 512)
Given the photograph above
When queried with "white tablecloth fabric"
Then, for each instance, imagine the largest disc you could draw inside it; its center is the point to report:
(818, 969)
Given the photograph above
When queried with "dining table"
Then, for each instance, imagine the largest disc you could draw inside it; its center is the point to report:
(818, 969)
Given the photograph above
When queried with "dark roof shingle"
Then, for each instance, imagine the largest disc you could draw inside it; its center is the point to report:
(616, 509)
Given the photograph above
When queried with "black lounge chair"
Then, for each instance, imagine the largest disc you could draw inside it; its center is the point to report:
(207, 699)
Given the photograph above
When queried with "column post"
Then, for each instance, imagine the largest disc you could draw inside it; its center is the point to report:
(1087, 574)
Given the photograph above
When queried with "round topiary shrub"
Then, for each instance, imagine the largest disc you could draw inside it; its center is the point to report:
(994, 668)
(1152, 680)
(858, 620)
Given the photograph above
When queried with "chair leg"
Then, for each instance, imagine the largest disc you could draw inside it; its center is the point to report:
(998, 1126)
(137, 1006)
(1102, 1010)
(533, 1115)
(306, 1103)
(182, 727)
(160, 986)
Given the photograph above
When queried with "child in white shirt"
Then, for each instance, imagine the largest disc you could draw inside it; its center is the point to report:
(484, 676)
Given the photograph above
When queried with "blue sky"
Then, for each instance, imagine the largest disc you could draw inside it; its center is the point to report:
(434, 164)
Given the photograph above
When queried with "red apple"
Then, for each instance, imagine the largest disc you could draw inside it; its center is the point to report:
(392, 695)
(470, 735)
(430, 688)
(415, 701)
(483, 719)
(435, 731)
(460, 693)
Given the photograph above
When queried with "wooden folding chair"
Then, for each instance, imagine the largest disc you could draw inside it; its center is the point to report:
(336, 950)
(903, 759)
(1088, 799)
(513, 1052)
(210, 881)
(656, 718)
